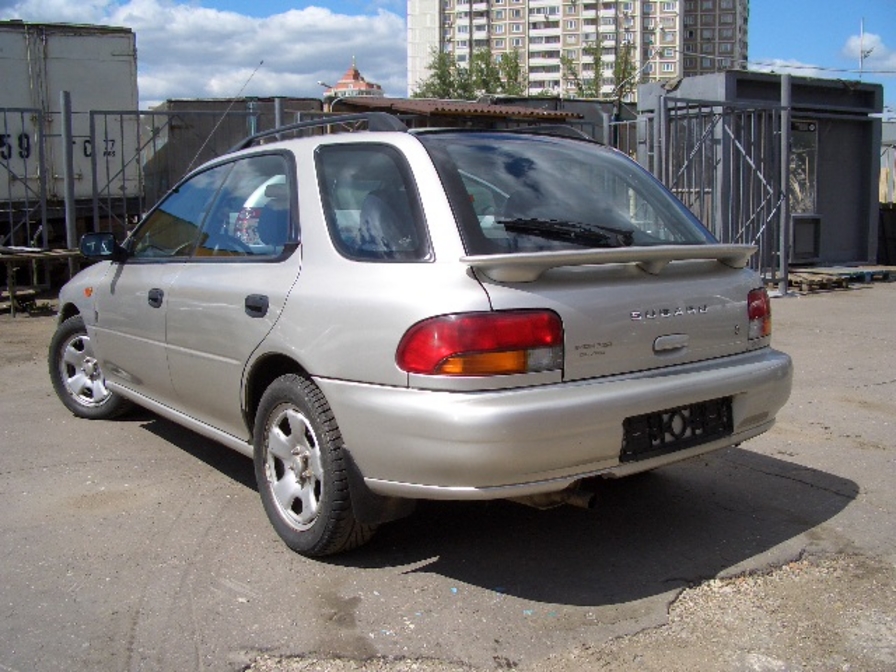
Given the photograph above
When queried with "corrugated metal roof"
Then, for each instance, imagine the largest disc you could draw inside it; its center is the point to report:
(449, 108)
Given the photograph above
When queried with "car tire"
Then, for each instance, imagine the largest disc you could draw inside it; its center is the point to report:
(301, 470)
(77, 379)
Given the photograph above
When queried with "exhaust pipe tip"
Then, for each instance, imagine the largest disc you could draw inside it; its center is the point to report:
(573, 496)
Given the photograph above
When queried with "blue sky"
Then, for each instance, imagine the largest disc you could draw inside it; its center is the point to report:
(209, 48)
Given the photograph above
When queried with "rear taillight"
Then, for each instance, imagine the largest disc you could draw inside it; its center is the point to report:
(759, 309)
(483, 344)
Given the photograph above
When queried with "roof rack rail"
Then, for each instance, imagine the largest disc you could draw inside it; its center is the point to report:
(376, 121)
(560, 130)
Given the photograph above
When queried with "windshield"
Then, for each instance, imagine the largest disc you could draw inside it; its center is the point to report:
(512, 192)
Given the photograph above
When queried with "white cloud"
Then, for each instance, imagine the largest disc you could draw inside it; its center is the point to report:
(187, 51)
(877, 55)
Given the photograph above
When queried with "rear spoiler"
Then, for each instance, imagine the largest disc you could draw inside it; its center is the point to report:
(528, 266)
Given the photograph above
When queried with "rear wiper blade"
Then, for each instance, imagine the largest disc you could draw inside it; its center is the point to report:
(581, 233)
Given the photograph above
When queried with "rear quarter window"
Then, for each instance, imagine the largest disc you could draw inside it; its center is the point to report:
(370, 203)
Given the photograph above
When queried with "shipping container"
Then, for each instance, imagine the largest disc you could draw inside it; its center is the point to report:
(98, 66)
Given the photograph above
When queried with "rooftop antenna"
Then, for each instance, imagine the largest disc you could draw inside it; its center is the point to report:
(224, 115)
(863, 53)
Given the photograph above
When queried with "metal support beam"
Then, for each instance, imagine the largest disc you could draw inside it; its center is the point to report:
(784, 212)
(68, 175)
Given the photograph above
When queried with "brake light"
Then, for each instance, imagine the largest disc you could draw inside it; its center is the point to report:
(759, 309)
(483, 344)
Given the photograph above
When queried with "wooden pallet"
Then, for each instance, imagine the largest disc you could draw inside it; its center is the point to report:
(856, 274)
(814, 282)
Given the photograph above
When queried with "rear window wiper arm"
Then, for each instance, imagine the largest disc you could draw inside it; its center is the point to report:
(580, 233)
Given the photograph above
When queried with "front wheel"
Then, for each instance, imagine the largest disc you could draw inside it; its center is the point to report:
(300, 467)
(76, 374)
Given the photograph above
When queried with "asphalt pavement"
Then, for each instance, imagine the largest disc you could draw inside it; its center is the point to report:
(137, 545)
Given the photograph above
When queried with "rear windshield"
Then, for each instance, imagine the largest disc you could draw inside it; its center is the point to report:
(527, 193)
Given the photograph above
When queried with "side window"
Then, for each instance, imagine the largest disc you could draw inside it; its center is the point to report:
(370, 203)
(251, 213)
(173, 227)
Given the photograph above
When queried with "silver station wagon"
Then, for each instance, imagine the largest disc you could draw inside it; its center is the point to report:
(387, 315)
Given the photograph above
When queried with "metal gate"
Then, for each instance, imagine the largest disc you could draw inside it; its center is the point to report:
(23, 178)
(138, 156)
(725, 163)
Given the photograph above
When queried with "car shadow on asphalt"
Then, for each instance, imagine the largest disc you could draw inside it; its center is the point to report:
(230, 463)
(667, 529)
(648, 534)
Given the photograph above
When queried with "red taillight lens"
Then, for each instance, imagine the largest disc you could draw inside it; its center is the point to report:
(759, 309)
(483, 344)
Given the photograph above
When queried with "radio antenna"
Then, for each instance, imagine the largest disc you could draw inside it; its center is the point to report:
(224, 115)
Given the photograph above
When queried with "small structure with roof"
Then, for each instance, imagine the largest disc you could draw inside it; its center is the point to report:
(353, 83)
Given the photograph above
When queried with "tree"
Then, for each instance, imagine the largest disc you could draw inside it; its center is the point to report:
(442, 80)
(624, 74)
(484, 75)
(513, 77)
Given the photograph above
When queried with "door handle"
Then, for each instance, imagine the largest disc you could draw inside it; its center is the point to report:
(257, 305)
(154, 298)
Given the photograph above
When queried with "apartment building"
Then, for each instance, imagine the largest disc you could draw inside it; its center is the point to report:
(664, 40)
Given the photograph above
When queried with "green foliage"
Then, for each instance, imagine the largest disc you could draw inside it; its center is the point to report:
(624, 73)
(485, 74)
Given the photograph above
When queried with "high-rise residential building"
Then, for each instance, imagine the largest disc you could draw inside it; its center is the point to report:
(557, 39)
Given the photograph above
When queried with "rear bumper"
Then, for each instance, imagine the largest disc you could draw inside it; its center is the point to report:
(506, 443)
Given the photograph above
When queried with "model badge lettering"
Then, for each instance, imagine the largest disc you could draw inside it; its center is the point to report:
(661, 313)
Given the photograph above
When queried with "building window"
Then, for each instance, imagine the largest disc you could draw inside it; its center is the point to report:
(707, 34)
(706, 4)
(572, 39)
(726, 18)
(516, 42)
(516, 28)
(667, 6)
(572, 24)
(498, 29)
(668, 67)
(497, 44)
(498, 15)
(725, 47)
(647, 7)
(516, 13)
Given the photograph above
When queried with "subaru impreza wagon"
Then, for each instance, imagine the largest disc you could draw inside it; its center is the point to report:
(423, 314)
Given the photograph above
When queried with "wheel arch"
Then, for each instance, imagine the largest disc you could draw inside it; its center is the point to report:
(370, 508)
(66, 311)
(264, 372)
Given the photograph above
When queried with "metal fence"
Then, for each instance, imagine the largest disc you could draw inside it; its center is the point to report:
(724, 162)
(23, 178)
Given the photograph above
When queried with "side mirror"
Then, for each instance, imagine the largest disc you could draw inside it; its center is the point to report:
(101, 247)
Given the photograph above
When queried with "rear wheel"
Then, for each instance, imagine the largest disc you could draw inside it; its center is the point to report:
(300, 466)
(76, 375)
